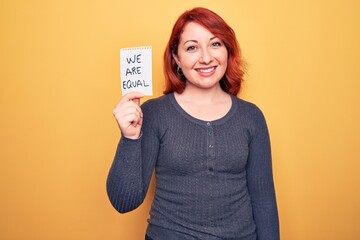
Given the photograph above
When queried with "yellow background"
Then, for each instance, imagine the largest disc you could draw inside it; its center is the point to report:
(59, 73)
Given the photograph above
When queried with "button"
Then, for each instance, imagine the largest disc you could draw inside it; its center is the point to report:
(211, 146)
(211, 169)
(208, 124)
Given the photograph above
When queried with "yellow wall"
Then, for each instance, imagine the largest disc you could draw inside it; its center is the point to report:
(59, 73)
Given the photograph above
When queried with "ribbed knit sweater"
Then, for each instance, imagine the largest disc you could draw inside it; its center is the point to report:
(213, 179)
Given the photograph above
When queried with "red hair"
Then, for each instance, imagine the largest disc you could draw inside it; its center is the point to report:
(232, 80)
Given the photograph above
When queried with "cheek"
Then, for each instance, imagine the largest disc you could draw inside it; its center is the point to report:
(223, 57)
(188, 61)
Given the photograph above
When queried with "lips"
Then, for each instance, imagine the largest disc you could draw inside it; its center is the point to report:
(206, 71)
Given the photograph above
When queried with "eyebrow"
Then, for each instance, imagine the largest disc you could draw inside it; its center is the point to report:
(195, 41)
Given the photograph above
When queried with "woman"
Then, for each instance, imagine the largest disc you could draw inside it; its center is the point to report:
(210, 150)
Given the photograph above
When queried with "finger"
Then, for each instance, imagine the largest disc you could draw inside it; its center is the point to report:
(131, 96)
(127, 107)
(137, 120)
(141, 120)
(130, 105)
(123, 116)
(136, 101)
(131, 119)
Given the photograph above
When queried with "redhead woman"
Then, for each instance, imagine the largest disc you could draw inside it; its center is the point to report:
(209, 149)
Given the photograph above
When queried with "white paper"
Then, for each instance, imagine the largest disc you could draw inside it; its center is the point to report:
(136, 70)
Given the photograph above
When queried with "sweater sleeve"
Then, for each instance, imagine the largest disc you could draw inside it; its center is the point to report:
(260, 182)
(130, 173)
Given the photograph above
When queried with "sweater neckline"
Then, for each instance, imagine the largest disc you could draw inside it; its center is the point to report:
(218, 121)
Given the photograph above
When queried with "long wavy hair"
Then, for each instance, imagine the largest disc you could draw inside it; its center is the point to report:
(233, 77)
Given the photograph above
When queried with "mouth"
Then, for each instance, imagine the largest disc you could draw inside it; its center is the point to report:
(207, 70)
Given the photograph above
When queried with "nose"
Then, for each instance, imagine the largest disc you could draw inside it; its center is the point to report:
(206, 57)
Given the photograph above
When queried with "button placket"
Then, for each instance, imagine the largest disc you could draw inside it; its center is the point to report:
(210, 148)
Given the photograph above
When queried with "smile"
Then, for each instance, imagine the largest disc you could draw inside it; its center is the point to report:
(205, 70)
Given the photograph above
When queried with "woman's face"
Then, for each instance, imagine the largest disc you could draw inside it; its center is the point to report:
(201, 56)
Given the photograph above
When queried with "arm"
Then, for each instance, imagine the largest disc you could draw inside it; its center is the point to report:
(129, 176)
(260, 182)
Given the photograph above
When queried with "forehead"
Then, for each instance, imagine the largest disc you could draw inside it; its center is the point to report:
(194, 31)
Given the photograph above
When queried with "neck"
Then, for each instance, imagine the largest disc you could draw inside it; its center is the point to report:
(203, 96)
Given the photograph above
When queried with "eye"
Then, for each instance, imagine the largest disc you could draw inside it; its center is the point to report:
(216, 44)
(191, 48)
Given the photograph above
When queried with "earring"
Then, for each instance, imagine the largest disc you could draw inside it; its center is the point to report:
(179, 72)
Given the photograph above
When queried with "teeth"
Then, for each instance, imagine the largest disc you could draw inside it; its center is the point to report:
(205, 70)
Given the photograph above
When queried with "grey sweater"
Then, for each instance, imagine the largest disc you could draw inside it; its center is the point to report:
(213, 179)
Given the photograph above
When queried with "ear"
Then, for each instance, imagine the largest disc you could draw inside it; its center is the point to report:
(176, 58)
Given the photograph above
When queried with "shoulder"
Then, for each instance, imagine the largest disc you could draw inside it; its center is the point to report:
(247, 108)
(251, 114)
(155, 104)
(156, 114)
(157, 109)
